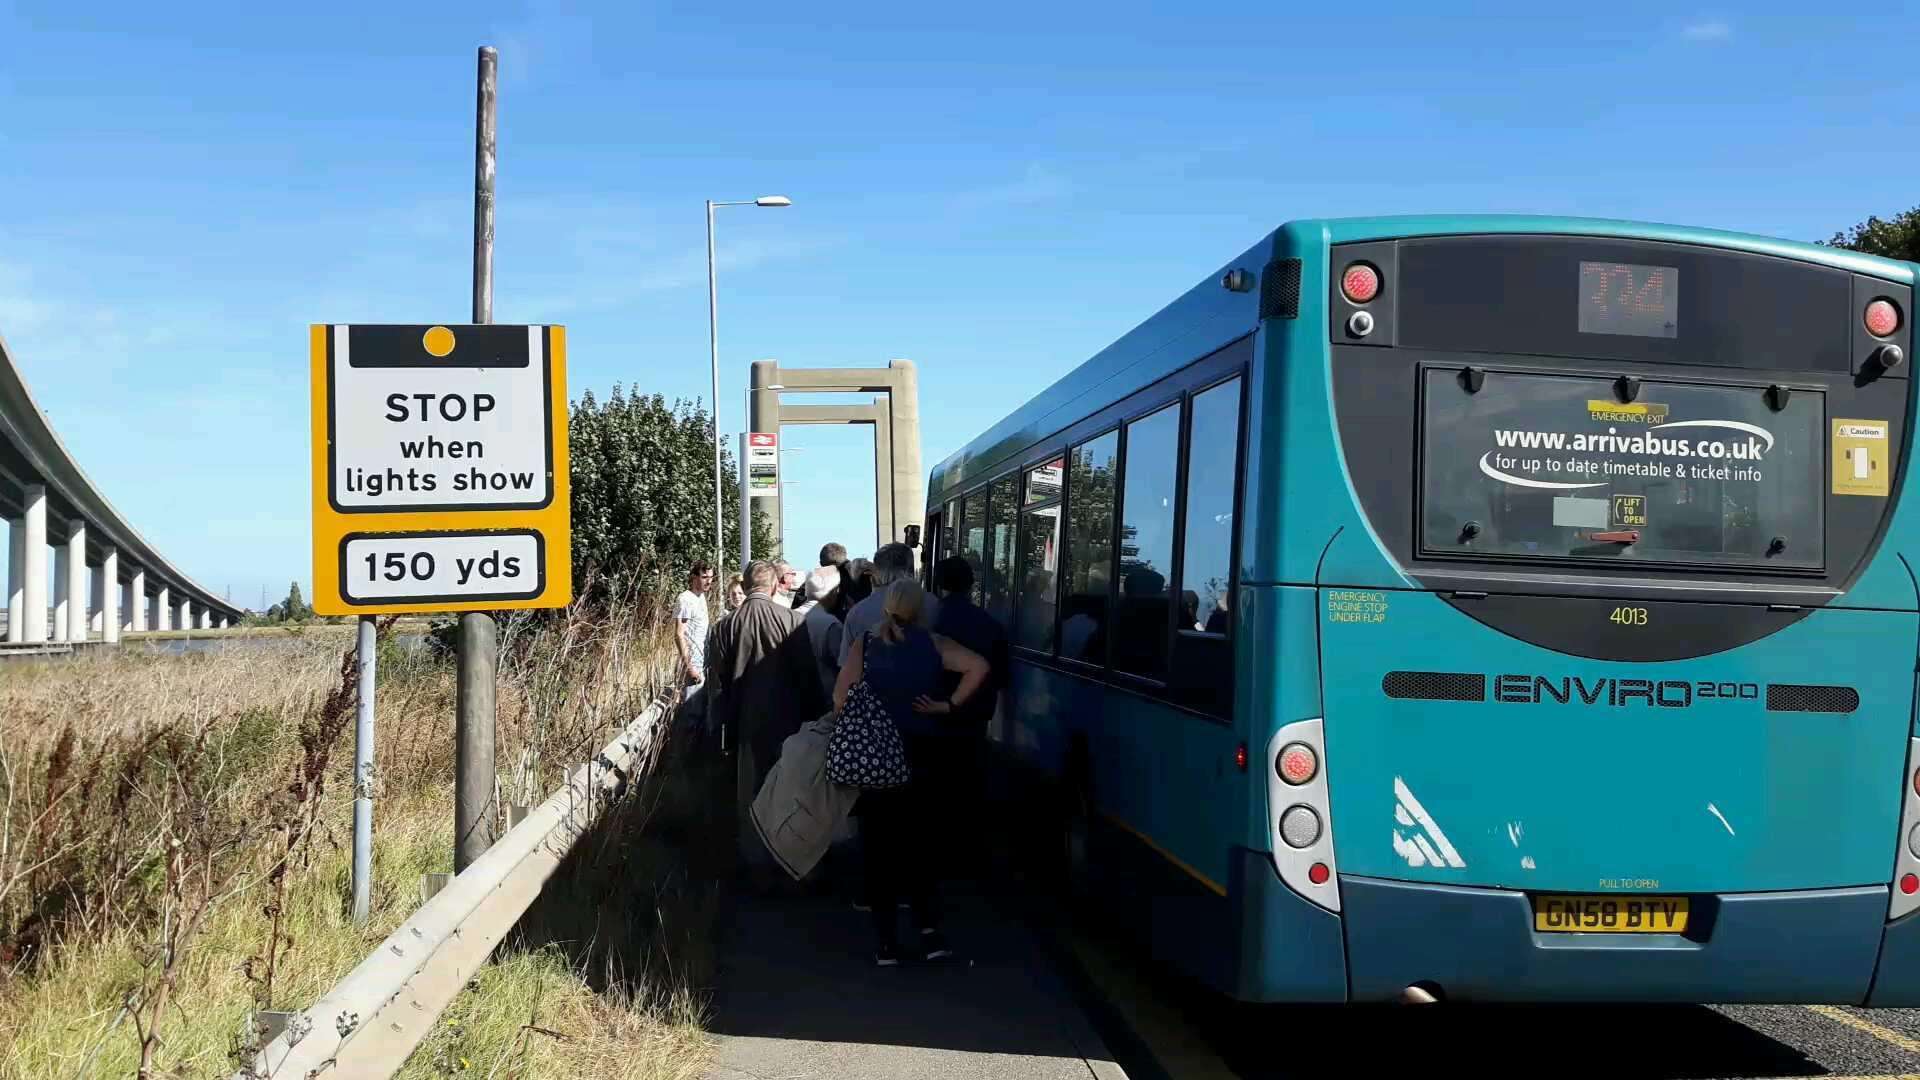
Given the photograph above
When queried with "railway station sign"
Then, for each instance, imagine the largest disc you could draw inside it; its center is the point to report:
(439, 468)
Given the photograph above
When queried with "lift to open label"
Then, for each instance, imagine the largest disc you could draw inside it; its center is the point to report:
(439, 469)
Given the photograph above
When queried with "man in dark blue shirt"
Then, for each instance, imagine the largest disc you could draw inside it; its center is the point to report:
(962, 779)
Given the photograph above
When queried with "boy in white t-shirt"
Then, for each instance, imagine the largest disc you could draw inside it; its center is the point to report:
(690, 618)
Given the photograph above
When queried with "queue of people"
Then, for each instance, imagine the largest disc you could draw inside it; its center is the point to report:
(851, 702)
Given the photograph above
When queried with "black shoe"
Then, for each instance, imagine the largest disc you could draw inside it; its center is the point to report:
(933, 946)
(886, 956)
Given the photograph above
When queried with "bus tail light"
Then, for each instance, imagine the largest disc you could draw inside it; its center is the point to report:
(1882, 318)
(1906, 864)
(1359, 282)
(1297, 763)
(1299, 815)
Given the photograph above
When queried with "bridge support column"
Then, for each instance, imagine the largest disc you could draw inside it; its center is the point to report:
(162, 610)
(16, 576)
(206, 618)
(61, 580)
(33, 594)
(96, 600)
(223, 622)
(77, 580)
(139, 607)
(110, 596)
(186, 615)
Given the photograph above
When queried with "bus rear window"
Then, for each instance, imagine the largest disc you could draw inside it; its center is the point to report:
(1558, 466)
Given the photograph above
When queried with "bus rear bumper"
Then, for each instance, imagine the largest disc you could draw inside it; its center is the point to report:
(1813, 946)
(1289, 950)
(1897, 982)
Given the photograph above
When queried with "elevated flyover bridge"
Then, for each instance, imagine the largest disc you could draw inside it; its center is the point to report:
(106, 579)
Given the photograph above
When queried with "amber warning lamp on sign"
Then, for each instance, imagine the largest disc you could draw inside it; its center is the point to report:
(439, 469)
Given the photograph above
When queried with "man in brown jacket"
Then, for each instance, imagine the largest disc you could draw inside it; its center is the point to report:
(768, 685)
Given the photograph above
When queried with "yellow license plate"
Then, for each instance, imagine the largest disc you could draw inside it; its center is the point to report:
(1615, 914)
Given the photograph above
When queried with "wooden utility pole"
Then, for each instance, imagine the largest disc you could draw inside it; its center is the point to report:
(479, 638)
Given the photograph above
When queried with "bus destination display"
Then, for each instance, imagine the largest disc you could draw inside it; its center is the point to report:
(1629, 299)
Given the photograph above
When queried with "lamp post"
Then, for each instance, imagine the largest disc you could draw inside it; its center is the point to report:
(713, 340)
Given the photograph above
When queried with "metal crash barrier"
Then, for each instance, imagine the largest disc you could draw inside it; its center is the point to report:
(370, 1021)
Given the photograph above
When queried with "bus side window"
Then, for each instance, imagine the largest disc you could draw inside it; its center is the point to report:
(1036, 566)
(1092, 469)
(934, 543)
(1001, 584)
(1202, 668)
(973, 537)
(1146, 544)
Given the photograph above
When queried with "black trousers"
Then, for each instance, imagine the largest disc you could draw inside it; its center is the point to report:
(900, 845)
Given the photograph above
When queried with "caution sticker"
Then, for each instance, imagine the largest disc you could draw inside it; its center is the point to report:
(1860, 457)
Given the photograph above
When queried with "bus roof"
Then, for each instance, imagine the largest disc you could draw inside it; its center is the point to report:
(1208, 317)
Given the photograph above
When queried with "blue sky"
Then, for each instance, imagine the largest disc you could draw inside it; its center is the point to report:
(993, 192)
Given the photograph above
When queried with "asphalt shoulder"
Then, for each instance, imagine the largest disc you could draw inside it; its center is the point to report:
(798, 996)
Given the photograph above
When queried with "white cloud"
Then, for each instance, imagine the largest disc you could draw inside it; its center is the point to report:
(1039, 184)
(1707, 30)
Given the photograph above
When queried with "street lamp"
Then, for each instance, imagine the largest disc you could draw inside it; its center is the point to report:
(713, 339)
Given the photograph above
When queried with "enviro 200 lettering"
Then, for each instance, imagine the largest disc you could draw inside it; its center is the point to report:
(1607, 690)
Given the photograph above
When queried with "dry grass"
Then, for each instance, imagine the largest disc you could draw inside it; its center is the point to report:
(175, 853)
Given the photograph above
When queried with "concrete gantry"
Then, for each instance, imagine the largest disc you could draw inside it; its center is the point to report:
(108, 578)
(899, 488)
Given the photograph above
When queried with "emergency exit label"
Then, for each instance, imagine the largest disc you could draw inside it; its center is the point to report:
(439, 469)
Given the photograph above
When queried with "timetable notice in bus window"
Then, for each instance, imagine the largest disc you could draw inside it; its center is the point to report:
(1630, 299)
(1558, 466)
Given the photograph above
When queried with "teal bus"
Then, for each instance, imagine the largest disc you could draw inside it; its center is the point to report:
(1478, 607)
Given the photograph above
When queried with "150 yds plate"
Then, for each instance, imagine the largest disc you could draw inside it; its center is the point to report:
(1610, 914)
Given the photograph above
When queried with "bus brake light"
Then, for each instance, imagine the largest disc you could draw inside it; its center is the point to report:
(1910, 884)
(1360, 283)
(1882, 318)
(1297, 764)
(1317, 873)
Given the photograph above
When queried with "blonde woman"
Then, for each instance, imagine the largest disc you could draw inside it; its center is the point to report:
(902, 662)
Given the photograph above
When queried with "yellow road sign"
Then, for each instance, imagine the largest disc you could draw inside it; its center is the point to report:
(439, 469)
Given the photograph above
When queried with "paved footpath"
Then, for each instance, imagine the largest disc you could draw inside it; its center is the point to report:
(799, 998)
